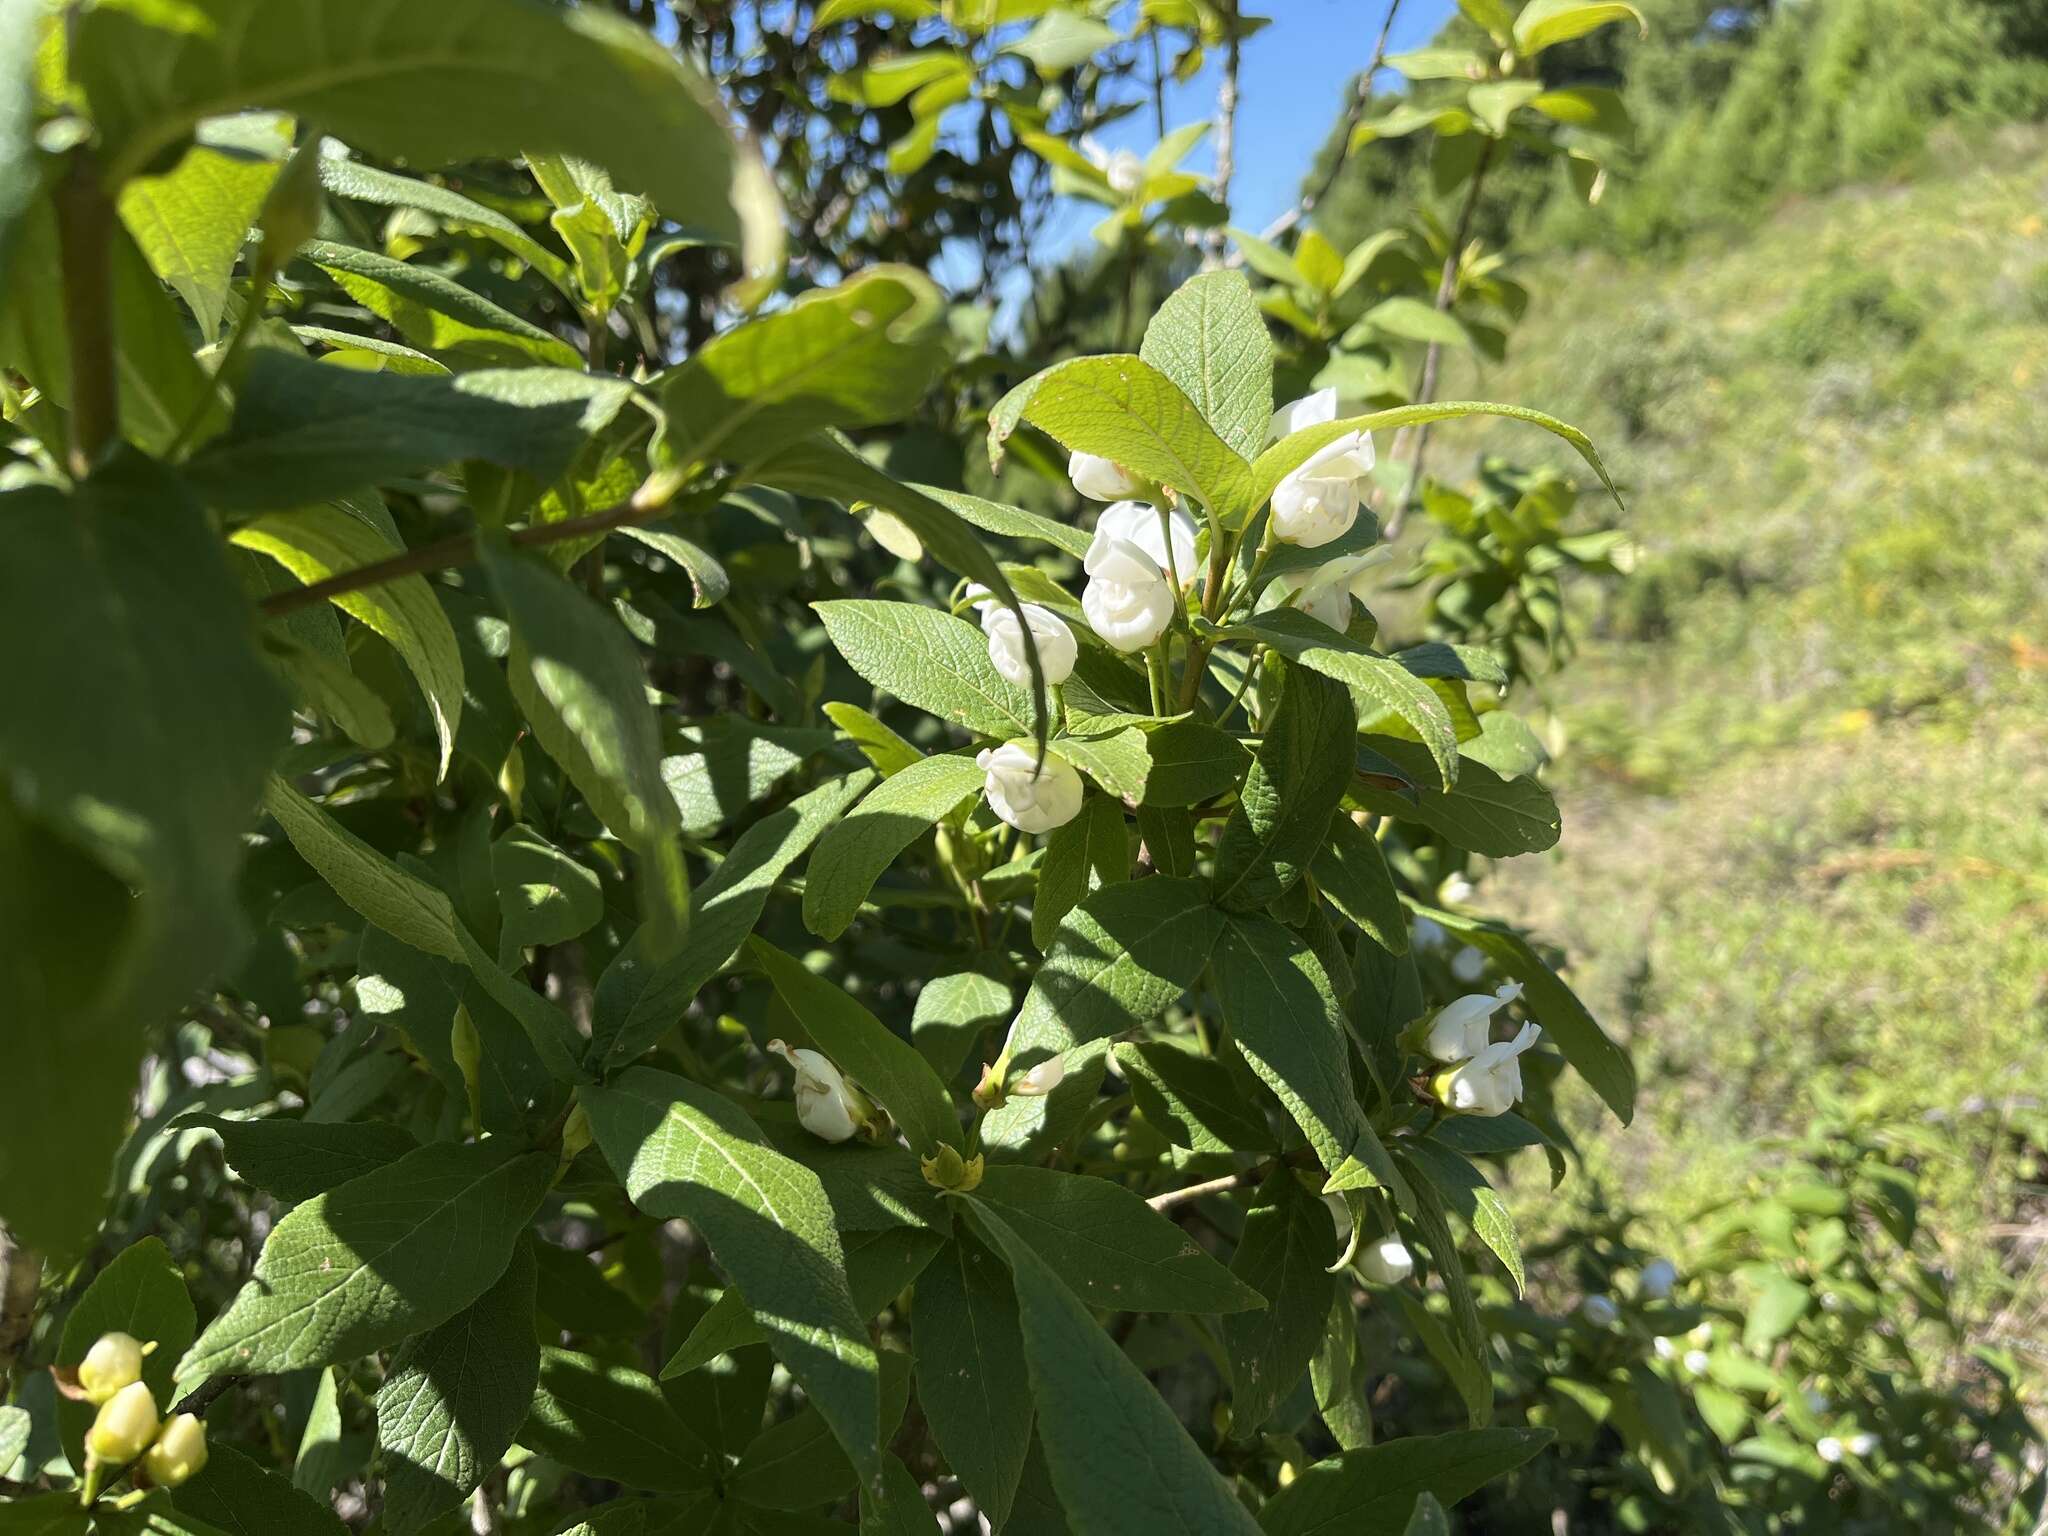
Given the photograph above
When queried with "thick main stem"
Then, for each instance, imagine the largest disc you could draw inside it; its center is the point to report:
(85, 233)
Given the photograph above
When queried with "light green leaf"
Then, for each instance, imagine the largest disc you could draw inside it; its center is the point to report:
(1267, 259)
(579, 682)
(853, 853)
(1438, 64)
(239, 1497)
(544, 896)
(1486, 813)
(387, 1254)
(1118, 761)
(191, 221)
(330, 688)
(593, 221)
(1412, 319)
(930, 660)
(709, 583)
(1495, 17)
(1361, 257)
(1371, 1491)
(315, 543)
(1464, 1189)
(1108, 1246)
(890, 81)
(879, 744)
(368, 184)
(1304, 764)
(1353, 873)
(1284, 1256)
(1322, 268)
(1119, 1457)
(1127, 410)
(852, 356)
(1468, 1361)
(612, 1422)
(1594, 108)
(969, 1343)
(1120, 958)
(1546, 23)
(832, 12)
(1495, 101)
(15, 1425)
(1062, 41)
(1191, 1100)
(1279, 1007)
(1007, 521)
(1211, 340)
(640, 995)
(437, 314)
(140, 1293)
(686, 1152)
(953, 1013)
(888, 1067)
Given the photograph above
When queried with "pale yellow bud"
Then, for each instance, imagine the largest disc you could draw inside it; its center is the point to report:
(125, 1427)
(179, 1452)
(113, 1362)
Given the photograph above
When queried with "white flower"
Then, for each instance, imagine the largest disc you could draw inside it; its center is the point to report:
(1665, 1349)
(827, 1105)
(1056, 648)
(1829, 1449)
(114, 1361)
(1456, 891)
(1123, 168)
(1861, 1444)
(1128, 602)
(1325, 593)
(1463, 1027)
(1468, 965)
(1491, 1081)
(1101, 479)
(1140, 523)
(1696, 1361)
(1600, 1311)
(1031, 797)
(1657, 1279)
(1313, 410)
(1426, 933)
(1386, 1262)
(1041, 1079)
(1319, 501)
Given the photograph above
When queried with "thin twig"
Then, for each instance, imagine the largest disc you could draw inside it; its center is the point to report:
(1359, 99)
(1228, 1181)
(206, 1394)
(1226, 137)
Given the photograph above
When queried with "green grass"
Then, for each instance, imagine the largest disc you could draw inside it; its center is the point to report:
(1804, 764)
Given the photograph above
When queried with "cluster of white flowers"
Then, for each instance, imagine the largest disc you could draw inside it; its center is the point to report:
(1138, 557)
(1832, 1449)
(1483, 1077)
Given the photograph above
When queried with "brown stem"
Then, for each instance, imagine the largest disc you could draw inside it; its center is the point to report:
(1359, 98)
(85, 232)
(650, 501)
(206, 1394)
(1228, 1181)
(21, 1272)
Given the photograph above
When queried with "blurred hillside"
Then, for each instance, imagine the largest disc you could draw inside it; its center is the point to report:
(1805, 765)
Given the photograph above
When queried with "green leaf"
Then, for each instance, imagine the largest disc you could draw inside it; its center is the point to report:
(22, 23)
(1493, 102)
(1062, 41)
(854, 852)
(1485, 813)
(580, 684)
(1282, 817)
(640, 994)
(1594, 108)
(1127, 410)
(794, 1465)
(888, 1067)
(1353, 873)
(433, 87)
(240, 1497)
(1108, 1246)
(367, 184)
(902, 1511)
(315, 543)
(1118, 761)
(1466, 1358)
(1465, 1190)
(878, 743)
(437, 314)
(454, 1398)
(15, 1425)
(1546, 23)
(1288, 455)
(728, 764)
(1285, 1254)
(1371, 1491)
(140, 1293)
(611, 1422)
(885, 83)
(953, 1013)
(1780, 1303)
(385, 1255)
(1211, 340)
(304, 432)
(593, 221)
(48, 1514)
(1118, 1455)
(190, 222)
(1085, 854)
(297, 1159)
(1566, 1021)
(969, 1342)
(402, 904)
(1412, 319)
(139, 725)
(1191, 1100)
(1428, 1518)
(1007, 521)
(929, 660)
(1192, 761)
(1340, 1376)
(544, 896)
(709, 583)
(683, 1151)
(1119, 959)
(1438, 64)
(1279, 1007)
(856, 355)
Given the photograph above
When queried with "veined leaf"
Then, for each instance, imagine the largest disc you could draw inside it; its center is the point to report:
(930, 660)
(1284, 1257)
(854, 852)
(880, 745)
(296, 1159)
(1296, 783)
(367, 184)
(379, 1258)
(1007, 521)
(684, 1151)
(969, 1343)
(1119, 1457)
(1191, 1100)
(1371, 1491)
(1464, 1189)
(191, 221)
(1485, 813)
(1353, 873)
(237, 1496)
(1546, 23)
(1211, 340)
(1085, 854)
(435, 313)
(611, 1422)
(1117, 760)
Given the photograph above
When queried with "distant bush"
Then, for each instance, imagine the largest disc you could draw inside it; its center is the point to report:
(1844, 311)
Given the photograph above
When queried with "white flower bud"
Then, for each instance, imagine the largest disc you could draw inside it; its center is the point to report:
(1666, 1350)
(1657, 1279)
(1600, 1311)
(1468, 965)
(1386, 1262)
(1463, 1027)
(1041, 1079)
(179, 1452)
(1696, 1361)
(1309, 411)
(125, 1426)
(1030, 797)
(113, 1362)
(1140, 523)
(827, 1105)
(1325, 593)
(1491, 1082)
(1121, 168)
(1319, 501)
(1829, 1449)
(1861, 1444)
(1101, 479)
(1128, 602)
(1056, 647)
